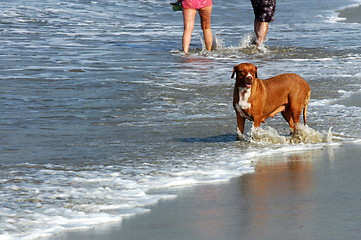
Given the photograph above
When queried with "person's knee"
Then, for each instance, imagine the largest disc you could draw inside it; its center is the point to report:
(188, 27)
(206, 27)
(188, 31)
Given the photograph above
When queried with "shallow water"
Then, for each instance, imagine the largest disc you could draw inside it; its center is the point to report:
(99, 105)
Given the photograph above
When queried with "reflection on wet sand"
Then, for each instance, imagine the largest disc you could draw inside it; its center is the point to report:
(275, 202)
(278, 196)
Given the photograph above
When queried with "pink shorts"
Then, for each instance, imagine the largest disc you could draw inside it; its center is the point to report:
(197, 4)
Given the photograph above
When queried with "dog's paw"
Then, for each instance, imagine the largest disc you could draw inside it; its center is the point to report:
(240, 135)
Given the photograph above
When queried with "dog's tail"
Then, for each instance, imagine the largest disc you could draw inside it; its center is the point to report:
(305, 104)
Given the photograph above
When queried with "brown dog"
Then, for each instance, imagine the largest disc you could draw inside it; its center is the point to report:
(255, 99)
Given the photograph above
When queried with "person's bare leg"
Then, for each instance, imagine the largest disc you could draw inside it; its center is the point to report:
(260, 29)
(205, 14)
(189, 16)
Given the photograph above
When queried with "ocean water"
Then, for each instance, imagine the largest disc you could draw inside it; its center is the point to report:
(99, 107)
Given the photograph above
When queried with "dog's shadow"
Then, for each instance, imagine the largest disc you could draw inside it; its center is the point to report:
(212, 139)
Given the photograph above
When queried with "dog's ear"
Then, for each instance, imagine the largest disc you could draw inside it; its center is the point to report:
(256, 75)
(234, 71)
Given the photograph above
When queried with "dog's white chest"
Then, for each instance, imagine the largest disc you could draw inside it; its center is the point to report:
(243, 98)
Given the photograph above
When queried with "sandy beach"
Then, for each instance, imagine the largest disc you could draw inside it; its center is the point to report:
(351, 15)
(305, 195)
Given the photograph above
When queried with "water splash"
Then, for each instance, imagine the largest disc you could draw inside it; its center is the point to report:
(304, 134)
(248, 40)
(218, 42)
(267, 135)
(200, 36)
(248, 44)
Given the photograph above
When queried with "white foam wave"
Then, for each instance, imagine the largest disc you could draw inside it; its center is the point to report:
(68, 199)
(304, 135)
(334, 17)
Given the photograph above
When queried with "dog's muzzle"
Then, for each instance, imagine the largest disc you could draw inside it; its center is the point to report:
(249, 80)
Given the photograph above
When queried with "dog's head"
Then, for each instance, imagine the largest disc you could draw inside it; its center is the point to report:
(246, 73)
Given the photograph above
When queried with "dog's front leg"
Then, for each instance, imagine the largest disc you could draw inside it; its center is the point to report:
(257, 121)
(240, 126)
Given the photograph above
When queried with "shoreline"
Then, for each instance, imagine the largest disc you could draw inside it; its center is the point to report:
(350, 14)
(306, 195)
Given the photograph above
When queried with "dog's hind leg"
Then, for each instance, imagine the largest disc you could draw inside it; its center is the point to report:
(296, 115)
(305, 104)
(287, 115)
(305, 115)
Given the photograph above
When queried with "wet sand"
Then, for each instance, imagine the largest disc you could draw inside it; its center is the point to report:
(351, 14)
(300, 195)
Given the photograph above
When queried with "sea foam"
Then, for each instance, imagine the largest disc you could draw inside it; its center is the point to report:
(304, 134)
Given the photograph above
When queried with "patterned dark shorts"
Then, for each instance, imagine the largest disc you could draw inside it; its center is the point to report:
(264, 10)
